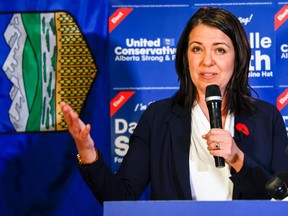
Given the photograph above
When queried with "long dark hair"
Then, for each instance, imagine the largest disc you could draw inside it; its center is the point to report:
(238, 91)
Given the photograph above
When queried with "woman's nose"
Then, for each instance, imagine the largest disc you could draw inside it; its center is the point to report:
(208, 59)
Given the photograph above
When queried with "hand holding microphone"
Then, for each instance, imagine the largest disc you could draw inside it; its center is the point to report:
(213, 100)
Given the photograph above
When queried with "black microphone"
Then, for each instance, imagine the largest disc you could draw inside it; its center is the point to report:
(286, 151)
(276, 187)
(213, 100)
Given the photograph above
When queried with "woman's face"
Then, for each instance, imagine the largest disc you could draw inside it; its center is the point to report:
(211, 58)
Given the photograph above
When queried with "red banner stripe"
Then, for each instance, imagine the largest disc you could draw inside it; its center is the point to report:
(117, 17)
(282, 100)
(281, 17)
(119, 100)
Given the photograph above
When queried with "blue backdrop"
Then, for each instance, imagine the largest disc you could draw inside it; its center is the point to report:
(38, 172)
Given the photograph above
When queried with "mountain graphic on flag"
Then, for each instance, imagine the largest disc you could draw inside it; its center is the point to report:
(49, 62)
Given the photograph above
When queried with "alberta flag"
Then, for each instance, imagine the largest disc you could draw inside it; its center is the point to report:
(49, 61)
(51, 51)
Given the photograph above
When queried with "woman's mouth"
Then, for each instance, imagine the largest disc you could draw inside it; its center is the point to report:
(208, 75)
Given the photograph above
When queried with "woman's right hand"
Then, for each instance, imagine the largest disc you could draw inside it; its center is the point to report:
(80, 133)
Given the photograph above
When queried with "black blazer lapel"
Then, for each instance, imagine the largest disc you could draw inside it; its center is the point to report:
(180, 136)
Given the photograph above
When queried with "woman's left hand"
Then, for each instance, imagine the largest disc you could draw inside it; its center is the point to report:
(220, 143)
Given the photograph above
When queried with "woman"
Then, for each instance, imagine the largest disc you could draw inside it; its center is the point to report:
(172, 147)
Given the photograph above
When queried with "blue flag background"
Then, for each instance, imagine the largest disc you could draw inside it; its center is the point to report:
(38, 171)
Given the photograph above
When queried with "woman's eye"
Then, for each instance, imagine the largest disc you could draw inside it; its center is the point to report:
(220, 51)
(196, 49)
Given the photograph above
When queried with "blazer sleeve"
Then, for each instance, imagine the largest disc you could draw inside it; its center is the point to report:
(132, 177)
(264, 154)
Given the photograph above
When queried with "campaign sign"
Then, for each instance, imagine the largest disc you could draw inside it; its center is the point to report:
(262, 70)
(142, 53)
(281, 33)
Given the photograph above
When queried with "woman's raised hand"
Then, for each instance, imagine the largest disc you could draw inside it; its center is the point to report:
(80, 133)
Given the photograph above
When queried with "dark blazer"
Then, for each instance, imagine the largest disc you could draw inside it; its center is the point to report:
(159, 155)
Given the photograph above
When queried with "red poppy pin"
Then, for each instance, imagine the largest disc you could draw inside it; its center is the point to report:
(242, 128)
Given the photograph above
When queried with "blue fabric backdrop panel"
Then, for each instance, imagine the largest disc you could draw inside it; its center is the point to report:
(38, 169)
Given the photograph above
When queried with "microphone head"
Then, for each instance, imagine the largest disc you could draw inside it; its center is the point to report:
(212, 93)
(277, 186)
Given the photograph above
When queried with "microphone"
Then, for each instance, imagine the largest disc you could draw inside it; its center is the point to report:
(213, 100)
(276, 187)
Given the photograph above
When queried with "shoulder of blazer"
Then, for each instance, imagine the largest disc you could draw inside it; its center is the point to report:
(169, 104)
(261, 108)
